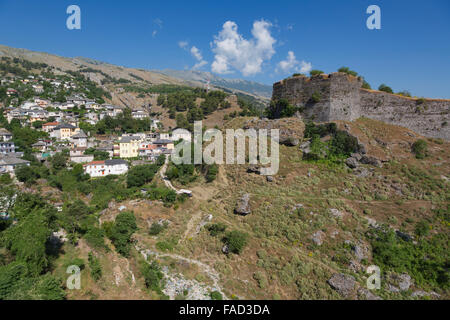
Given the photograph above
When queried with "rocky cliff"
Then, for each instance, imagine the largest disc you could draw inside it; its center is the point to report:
(339, 96)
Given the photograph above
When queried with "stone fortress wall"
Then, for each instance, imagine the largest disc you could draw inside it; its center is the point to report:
(342, 98)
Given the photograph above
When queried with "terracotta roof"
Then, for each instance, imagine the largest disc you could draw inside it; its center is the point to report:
(51, 124)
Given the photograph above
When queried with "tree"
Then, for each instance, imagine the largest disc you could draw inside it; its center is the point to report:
(139, 175)
(152, 275)
(27, 241)
(59, 161)
(385, 88)
(124, 227)
(26, 174)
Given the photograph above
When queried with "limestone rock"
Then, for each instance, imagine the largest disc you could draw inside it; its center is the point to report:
(243, 205)
(367, 295)
(352, 163)
(371, 161)
(289, 141)
(342, 283)
(317, 237)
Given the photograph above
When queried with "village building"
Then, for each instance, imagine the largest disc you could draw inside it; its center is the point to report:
(8, 164)
(129, 147)
(106, 167)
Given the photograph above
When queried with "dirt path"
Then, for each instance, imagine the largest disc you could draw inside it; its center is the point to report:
(208, 270)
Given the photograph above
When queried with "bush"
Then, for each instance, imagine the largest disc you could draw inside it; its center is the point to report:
(316, 97)
(120, 233)
(420, 148)
(236, 241)
(315, 72)
(385, 88)
(153, 276)
(139, 175)
(422, 229)
(216, 295)
(426, 261)
(216, 228)
(156, 228)
(348, 71)
(94, 265)
(95, 237)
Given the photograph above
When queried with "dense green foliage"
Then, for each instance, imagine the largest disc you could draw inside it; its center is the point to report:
(420, 149)
(140, 175)
(153, 276)
(340, 145)
(315, 72)
(95, 266)
(280, 109)
(236, 241)
(385, 88)
(121, 232)
(427, 261)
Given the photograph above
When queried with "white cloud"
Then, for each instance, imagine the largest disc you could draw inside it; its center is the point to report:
(305, 67)
(183, 44)
(158, 22)
(291, 64)
(154, 33)
(198, 56)
(233, 51)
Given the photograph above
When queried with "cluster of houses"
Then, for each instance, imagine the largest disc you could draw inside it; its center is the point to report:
(10, 159)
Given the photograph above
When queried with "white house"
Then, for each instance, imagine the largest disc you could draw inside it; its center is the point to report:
(9, 164)
(106, 167)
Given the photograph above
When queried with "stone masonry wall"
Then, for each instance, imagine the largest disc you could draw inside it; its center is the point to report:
(342, 98)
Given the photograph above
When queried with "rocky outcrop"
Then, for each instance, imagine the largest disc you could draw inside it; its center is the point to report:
(343, 284)
(243, 205)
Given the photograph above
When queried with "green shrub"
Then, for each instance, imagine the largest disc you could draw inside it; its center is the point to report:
(385, 88)
(95, 237)
(420, 148)
(236, 241)
(216, 228)
(153, 276)
(216, 295)
(422, 229)
(156, 228)
(316, 97)
(95, 266)
(315, 72)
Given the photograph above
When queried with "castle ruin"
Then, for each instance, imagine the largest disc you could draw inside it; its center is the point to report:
(339, 96)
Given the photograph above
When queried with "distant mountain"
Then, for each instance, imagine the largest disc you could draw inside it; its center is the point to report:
(252, 87)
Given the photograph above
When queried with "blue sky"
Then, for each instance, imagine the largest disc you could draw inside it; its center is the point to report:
(410, 52)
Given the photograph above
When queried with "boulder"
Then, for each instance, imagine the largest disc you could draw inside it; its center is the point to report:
(403, 236)
(243, 205)
(352, 163)
(289, 141)
(342, 283)
(269, 179)
(371, 161)
(367, 295)
(317, 237)
(225, 249)
(253, 169)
